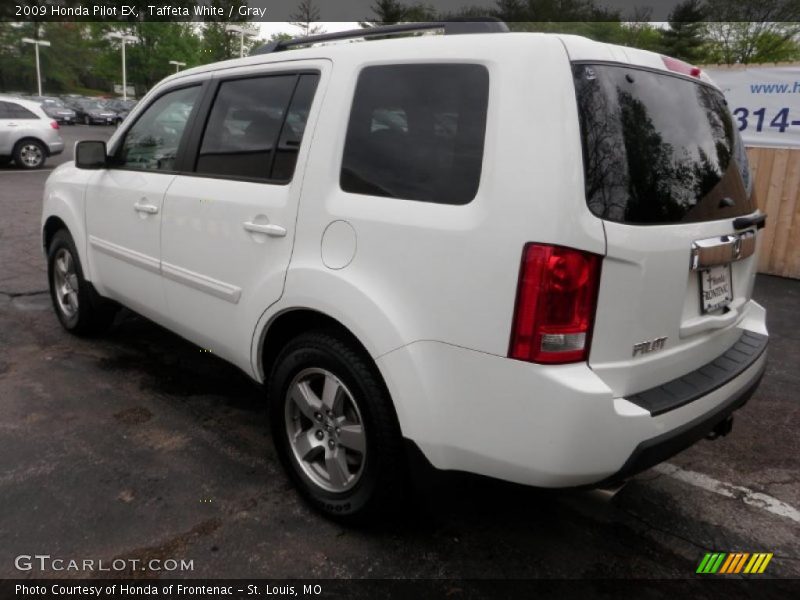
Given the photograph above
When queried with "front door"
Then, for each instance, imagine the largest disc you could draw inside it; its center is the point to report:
(124, 203)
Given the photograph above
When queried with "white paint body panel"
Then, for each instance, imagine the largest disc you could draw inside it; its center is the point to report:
(428, 289)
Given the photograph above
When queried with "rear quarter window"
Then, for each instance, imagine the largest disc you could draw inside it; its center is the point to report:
(12, 110)
(416, 132)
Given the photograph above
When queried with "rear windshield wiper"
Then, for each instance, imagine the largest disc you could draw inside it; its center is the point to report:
(759, 220)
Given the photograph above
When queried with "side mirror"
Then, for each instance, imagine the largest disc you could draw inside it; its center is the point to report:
(90, 155)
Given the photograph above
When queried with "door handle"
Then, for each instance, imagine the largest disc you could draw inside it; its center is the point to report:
(145, 208)
(268, 229)
(12, 125)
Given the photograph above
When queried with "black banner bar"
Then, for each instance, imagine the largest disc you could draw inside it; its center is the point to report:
(373, 589)
(391, 11)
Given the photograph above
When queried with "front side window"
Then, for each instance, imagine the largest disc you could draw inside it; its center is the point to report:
(255, 127)
(416, 132)
(151, 144)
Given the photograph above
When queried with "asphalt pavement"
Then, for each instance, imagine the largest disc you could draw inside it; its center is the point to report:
(138, 444)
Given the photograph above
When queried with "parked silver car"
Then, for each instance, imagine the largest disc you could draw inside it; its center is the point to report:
(27, 134)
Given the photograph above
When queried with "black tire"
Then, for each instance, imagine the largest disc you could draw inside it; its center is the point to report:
(30, 154)
(92, 313)
(383, 481)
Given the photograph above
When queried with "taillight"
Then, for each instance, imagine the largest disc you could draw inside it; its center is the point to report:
(54, 124)
(556, 301)
(673, 64)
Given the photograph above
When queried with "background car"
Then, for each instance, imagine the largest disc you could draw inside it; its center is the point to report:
(121, 107)
(91, 111)
(27, 134)
(56, 108)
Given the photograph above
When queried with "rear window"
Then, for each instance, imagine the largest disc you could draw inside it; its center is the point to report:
(416, 132)
(657, 148)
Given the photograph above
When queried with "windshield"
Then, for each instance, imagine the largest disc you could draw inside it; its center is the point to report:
(658, 148)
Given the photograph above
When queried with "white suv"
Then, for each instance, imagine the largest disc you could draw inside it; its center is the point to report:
(525, 256)
(27, 135)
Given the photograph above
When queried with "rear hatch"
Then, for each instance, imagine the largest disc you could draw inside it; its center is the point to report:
(666, 171)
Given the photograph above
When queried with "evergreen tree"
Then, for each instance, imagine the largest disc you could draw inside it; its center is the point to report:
(686, 37)
(305, 18)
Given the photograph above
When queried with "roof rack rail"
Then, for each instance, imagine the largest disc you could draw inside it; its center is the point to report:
(452, 27)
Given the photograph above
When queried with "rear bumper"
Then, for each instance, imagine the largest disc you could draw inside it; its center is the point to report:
(660, 448)
(547, 426)
(55, 148)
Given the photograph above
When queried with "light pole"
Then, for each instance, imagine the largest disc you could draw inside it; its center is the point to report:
(124, 38)
(242, 31)
(36, 44)
(178, 64)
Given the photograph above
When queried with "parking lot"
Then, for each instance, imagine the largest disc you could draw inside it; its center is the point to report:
(138, 444)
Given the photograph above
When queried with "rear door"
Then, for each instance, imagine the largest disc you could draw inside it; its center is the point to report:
(666, 171)
(229, 225)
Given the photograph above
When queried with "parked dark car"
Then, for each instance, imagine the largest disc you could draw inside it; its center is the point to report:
(55, 108)
(121, 107)
(91, 111)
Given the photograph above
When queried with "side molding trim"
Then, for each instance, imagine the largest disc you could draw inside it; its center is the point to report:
(219, 289)
(137, 259)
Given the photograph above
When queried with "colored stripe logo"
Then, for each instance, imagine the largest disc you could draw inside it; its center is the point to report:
(728, 563)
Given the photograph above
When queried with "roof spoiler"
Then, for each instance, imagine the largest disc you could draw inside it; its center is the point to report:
(452, 27)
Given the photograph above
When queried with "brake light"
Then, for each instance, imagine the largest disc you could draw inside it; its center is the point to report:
(673, 64)
(556, 301)
(54, 124)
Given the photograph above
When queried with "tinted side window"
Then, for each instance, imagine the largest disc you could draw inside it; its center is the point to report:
(293, 128)
(255, 127)
(5, 113)
(416, 132)
(151, 144)
(15, 111)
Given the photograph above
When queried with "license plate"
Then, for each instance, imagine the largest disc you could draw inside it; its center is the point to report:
(716, 289)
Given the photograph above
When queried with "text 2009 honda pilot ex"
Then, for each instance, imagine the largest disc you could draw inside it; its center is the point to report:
(527, 256)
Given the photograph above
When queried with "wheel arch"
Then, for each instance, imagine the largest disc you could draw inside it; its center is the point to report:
(63, 208)
(31, 138)
(291, 322)
(51, 225)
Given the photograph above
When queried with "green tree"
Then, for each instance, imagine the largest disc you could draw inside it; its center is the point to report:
(306, 17)
(217, 43)
(753, 32)
(390, 12)
(147, 59)
(517, 13)
(686, 36)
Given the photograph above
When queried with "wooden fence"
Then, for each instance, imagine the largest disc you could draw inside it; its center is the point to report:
(776, 173)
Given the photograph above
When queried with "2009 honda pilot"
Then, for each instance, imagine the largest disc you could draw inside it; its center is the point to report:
(529, 256)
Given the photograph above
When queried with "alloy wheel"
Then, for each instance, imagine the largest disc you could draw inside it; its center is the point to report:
(325, 430)
(65, 283)
(31, 155)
